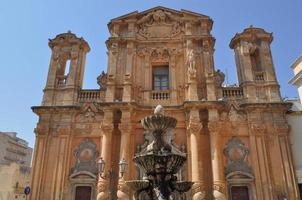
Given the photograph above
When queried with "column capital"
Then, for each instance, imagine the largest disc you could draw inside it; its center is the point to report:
(194, 126)
(214, 126)
(125, 127)
(257, 128)
(106, 127)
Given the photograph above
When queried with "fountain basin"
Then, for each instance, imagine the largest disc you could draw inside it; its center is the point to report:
(168, 163)
(183, 186)
(138, 185)
(158, 122)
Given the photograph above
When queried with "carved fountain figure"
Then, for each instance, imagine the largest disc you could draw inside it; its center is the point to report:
(160, 161)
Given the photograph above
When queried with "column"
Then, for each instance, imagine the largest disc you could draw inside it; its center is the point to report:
(112, 62)
(125, 128)
(173, 78)
(219, 183)
(148, 75)
(107, 129)
(194, 128)
(207, 54)
(127, 76)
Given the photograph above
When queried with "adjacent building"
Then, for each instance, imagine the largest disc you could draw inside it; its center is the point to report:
(236, 138)
(15, 166)
(14, 149)
(294, 117)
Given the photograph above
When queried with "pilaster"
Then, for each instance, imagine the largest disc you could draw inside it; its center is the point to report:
(126, 128)
(219, 182)
(107, 129)
(194, 128)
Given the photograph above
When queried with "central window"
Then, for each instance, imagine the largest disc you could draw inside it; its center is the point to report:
(160, 77)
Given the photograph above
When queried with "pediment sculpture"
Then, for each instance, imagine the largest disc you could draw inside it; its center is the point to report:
(159, 23)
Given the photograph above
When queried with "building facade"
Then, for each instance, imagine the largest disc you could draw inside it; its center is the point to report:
(15, 166)
(294, 117)
(236, 138)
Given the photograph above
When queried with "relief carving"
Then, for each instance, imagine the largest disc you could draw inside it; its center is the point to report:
(102, 80)
(235, 115)
(87, 120)
(159, 23)
(160, 54)
(86, 155)
(191, 63)
(258, 128)
(236, 153)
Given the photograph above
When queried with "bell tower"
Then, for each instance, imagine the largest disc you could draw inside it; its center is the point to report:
(255, 68)
(66, 69)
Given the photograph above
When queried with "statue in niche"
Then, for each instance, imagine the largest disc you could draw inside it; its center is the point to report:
(191, 63)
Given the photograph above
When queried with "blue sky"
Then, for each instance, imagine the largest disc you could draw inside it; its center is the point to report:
(26, 26)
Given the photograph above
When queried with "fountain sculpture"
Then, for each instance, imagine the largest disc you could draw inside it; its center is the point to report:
(160, 162)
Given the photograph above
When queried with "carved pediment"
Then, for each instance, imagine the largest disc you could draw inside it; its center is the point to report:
(159, 23)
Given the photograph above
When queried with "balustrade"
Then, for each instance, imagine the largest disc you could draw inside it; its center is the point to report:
(232, 92)
(160, 95)
(89, 95)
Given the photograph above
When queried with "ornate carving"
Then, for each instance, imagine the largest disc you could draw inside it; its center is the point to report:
(258, 128)
(198, 190)
(89, 114)
(102, 80)
(194, 126)
(86, 155)
(159, 23)
(214, 127)
(160, 54)
(219, 77)
(235, 115)
(191, 63)
(236, 153)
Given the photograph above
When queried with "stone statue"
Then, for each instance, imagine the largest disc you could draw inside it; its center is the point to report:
(159, 110)
(191, 63)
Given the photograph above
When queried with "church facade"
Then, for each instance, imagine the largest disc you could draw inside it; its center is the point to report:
(236, 137)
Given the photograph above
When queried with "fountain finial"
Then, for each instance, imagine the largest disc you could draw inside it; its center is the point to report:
(159, 110)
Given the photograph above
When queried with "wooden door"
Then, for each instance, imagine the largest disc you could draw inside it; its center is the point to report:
(83, 193)
(240, 193)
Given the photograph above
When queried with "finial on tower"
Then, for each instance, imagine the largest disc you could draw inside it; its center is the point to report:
(159, 110)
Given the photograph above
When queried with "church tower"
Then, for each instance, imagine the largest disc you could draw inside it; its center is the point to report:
(66, 69)
(255, 68)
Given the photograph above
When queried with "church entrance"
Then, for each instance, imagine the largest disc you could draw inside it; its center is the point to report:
(240, 193)
(83, 193)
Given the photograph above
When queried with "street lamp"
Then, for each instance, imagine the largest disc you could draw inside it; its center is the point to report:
(110, 175)
(122, 165)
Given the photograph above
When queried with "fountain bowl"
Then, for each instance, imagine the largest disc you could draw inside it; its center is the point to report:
(138, 185)
(152, 163)
(183, 186)
(158, 122)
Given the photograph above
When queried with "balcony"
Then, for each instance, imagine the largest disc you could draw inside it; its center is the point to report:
(159, 95)
(89, 95)
(232, 92)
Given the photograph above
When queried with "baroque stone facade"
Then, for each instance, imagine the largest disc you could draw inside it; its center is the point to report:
(236, 138)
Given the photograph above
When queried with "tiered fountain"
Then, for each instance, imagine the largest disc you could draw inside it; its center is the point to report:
(160, 162)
